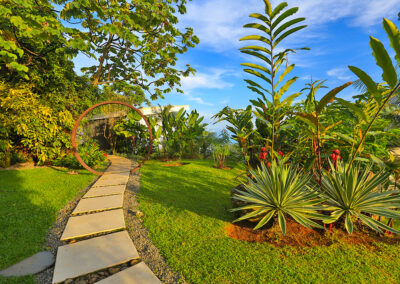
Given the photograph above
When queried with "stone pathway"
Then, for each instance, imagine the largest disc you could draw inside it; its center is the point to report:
(100, 212)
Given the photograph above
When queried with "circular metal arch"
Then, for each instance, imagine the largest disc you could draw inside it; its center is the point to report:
(75, 130)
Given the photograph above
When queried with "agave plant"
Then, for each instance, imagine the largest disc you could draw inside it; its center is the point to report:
(357, 194)
(280, 191)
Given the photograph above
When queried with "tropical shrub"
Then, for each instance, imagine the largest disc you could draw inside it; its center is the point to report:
(355, 193)
(220, 154)
(280, 191)
(90, 153)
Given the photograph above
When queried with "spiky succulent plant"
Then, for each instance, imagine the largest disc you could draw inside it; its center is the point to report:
(280, 191)
(358, 194)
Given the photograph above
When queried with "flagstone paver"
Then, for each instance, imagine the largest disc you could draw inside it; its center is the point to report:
(31, 265)
(105, 190)
(113, 181)
(97, 253)
(92, 255)
(86, 225)
(87, 205)
(115, 175)
(138, 274)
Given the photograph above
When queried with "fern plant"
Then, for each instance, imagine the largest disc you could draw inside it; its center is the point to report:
(280, 191)
(351, 191)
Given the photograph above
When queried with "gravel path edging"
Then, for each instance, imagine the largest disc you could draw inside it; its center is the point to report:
(52, 241)
(149, 253)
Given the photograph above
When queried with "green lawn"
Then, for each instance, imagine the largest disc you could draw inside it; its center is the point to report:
(29, 202)
(186, 209)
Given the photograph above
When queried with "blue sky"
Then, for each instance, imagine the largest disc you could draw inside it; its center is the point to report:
(337, 33)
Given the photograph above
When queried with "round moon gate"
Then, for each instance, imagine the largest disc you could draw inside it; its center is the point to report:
(75, 130)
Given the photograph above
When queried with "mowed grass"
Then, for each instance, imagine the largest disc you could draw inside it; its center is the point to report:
(186, 210)
(29, 202)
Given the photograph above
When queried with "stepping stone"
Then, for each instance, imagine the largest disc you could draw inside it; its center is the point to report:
(137, 274)
(91, 255)
(87, 205)
(105, 190)
(86, 225)
(118, 170)
(107, 175)
(31, 265)
(115, 176)
(115, 181)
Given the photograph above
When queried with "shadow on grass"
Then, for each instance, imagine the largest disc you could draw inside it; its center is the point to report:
(197, 187)
(19, 230)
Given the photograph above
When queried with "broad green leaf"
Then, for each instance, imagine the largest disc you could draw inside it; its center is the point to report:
(368, 82)
(286, 86)
(310, 117)
(256, 37)
(260, 17)
(394, 37)
(287, 33)
(278, 9)
(283, 16)
(284, 73)
(258, 74)
(268, 9)
(383, 60)
(257, 26)
(356, 110)
(258, 55)
(348, 224)
(330, 96)
(282, 222)
(255, 47)
(287, 25)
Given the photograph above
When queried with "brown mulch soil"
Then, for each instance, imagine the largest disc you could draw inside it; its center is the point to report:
(223, 168)
(300, 236)
(174, 165)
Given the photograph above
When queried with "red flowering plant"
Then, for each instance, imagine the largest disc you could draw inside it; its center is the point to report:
(335, 156)
(93, 156)
(263, 154)
(90, 154)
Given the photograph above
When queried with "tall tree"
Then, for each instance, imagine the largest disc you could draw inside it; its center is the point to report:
(135, 43)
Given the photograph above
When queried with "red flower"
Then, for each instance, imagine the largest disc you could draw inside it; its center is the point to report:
(268, 164)
(263, 155)
(95, 144)
(280, 153)
(105, 154)
(263, 149)
(85, 154)
(335, 156)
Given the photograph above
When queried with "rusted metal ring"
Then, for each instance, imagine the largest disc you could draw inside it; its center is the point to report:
(75, 130)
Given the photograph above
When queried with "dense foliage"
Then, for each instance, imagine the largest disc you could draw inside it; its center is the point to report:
(134, 44)
(176, 134)
(311, 132)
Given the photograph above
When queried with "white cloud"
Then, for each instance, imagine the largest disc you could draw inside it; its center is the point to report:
(340, 73)
(219, 23)
(213, 79)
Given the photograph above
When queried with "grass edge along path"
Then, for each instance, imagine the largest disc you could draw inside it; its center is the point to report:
(29, 202)
(186, 210)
